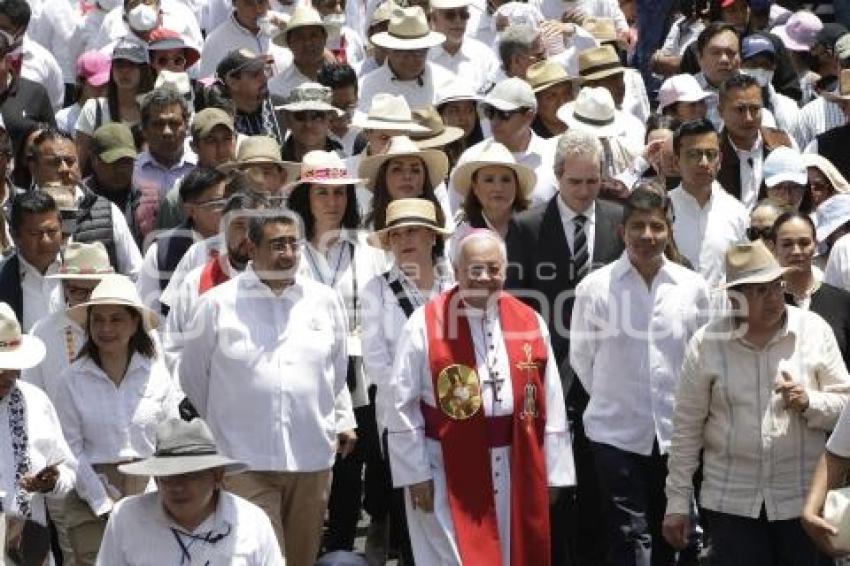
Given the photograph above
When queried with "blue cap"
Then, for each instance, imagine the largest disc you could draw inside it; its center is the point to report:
(755, 45)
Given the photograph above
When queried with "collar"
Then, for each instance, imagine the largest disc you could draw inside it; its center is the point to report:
(715, 187)
(790, 326)
(420, 79)
(220, 521)
(146, 159)
(755, 150)
(567, 213)
(252, 281)
(26, 267)
(137, 362)
(242, 29)
(624, 266)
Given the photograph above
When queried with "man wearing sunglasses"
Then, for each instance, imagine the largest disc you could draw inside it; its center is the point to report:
(464, 56)
(308, 113)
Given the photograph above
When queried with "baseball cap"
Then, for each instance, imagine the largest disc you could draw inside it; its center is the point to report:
(239, 60)
(207, 119)
(756, 45)
(511, 94)
(93, 67)
(784, 164)
(114, 141)
(680, 88)
(128, 50)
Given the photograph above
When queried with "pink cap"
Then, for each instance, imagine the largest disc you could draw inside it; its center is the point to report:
(93, 67)
(680, 88)
(800, 31)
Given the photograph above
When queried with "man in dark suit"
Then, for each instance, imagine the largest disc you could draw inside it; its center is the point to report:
(556, 245)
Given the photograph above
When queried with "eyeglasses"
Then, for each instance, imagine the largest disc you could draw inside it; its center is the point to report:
(309, 115)
(759, 233)
(282, 244)
(214, 205)
(455, 14)
(493, 113)
(696, 155)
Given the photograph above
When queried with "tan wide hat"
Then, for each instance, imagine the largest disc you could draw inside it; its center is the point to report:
(310, 96)
(751, 262)
(387, 112)
(494, 153)
(84, 261)
(302, 17)
(437, 134)
(17, 350)
(408, 212)
(322, 168)
(114, 290)
(408, 30)
(598, 63)
(546, 73)
(603, 30)
(260, 149)
(435, 160)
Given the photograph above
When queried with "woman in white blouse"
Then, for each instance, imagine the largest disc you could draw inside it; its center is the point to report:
(418, 273)
(109, 402)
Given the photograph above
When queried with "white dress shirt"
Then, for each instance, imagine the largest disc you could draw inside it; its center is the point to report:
(65, 339)
(750, 171)
(474, 61)
(46, 447)
(627, 344)
(283, 83)
(105, 423)
(268, 372)
(635, 100)
(433, 79)
(40, 66)
(711, 102)
(568, 223)
(704, 234)
(837, 270)
(56, 26)
(42, 295)
(140, 533)
(231, 35)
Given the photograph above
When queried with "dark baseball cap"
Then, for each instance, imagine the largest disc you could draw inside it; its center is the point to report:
(829, 34)
(240, 60)
(114, 141)
(756, 44)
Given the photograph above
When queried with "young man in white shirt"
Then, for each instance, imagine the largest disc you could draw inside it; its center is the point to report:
(630, 324)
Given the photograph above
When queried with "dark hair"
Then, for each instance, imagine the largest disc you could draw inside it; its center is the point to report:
(736, 82)
(162, 98)
(18, 12)
(475, 135)
(299, 202)
(787, 216)
(146, 82)
(807, 203)
(713, 29)
(472, 209)
(245, 200)
(381, 198)
(21, 176)
(661, 122)
(260, 221)
(198, 180)
(49, 134)
(649, 195)
(30, 202)
(140, 342)
(239, 182)
(337, 75)
(691, 128)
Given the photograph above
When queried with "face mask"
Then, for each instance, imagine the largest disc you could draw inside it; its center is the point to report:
(142, 18)
(762, 76)
(334, 20)
(266, 26)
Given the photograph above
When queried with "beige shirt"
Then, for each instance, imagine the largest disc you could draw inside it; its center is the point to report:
(755, 452)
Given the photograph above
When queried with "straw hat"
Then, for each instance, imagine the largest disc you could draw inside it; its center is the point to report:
(302, 17)
(435, 160)
(602, 29)
(382, 13)
(494, 153)
(260, 149)
(843, 90)
(598, 63)
(545, 74)
(387, 112)
(84, 261)
(437, 134)
(182, 448)
(114, 290)
(592, 111)
(408, 212)
(408, 31)
(17, 350)
(310, 96)
(751, 262)
(322, 168)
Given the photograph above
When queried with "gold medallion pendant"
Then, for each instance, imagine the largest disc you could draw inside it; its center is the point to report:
(458, 391)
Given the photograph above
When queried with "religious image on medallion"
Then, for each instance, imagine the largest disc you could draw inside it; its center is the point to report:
(459, 392)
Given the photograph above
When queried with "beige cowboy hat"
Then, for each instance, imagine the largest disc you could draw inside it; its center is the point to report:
(84, 261)
(545, 74)
(182, 448)
(259, 149)
(408, 31)
(494, 153)
(302, 17)
(407, 212)
(843, 90)
(387, 112)
(310, 96)
(592, 111)
(17, 350)
(598, 62)
(382, 13)
(435, 160)
(751, 262)
(322, 168)
(437, 134)
(114, 290)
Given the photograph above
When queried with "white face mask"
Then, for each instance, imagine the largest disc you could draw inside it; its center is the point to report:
(266, 26)
(762, 76)
(334, 20)
(142, 18)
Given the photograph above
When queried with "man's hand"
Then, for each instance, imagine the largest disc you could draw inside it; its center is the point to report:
(793, 394)
(422, 496)
(820, 532)
(42, 482)
(676, 528)
(574, 16)
(345, 442)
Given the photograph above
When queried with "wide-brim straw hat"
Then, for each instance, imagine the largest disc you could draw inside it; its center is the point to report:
(387, 112)
(17, 350)
(323, 168)
(255, 150)
(545, 74)
(437, 134)
(408, 212)
(751, 262)
(592, 111)
(408, 30)
(302, 17)
(436, 162)
(310, 96)
(114, 290)
(182, 448)
(603, 30)
(84, 261)
(598, 63)
(494, 153)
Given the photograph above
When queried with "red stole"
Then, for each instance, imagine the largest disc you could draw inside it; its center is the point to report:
(212, 274)
(466, 442)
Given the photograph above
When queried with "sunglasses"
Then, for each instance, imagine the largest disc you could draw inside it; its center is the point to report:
(493, 113)
(309, 115)
(455, 14)
(755, 233)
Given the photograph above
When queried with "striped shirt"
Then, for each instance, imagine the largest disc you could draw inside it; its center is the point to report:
(815, 118)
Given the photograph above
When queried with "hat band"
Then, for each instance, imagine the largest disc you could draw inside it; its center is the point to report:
(593, 121)
(187, 450)
(324, 174)
(72, 270)
(750, 272)
(390, 120)
(406, 219)
(419, 36)
(602, 67)
(10, 344)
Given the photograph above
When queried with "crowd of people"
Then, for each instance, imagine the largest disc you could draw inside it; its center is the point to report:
(553, 282)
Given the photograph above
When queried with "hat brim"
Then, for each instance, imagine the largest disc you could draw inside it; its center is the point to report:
(379, 238)
(565, 114)
(824, 231)
(782, 33)
(836, 97)
(550, 83)
(314, 105)
(363, 122)
(80, 276)
(459, 98)
(28, 355)
(280, 38)
(505, 106)
(387, 41)
(602, 74)
(435, 160)
(462, 176)
(784, 177)
(762, 276)
(292, 169)
(99, 79)
(110, 156)
(343, 181)
(448, 135)
(159, 466)
(79, 313)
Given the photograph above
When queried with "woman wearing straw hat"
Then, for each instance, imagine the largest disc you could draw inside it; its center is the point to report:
(324, 198)
(413, 235)
(405, 171)
(456, 103)
(110, 401)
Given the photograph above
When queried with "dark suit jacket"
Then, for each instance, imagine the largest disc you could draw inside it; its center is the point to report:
(729, 175)
(833, 304)
(10, 286)
(542, 272)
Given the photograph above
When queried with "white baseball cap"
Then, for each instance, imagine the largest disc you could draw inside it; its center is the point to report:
(511, 94)
(680, 88)
(833, 213)
(784, 164)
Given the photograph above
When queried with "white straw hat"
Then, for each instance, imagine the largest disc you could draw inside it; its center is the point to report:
(435, 160)
(387, 112)
(17, 350)
(592, 111)
(323, 168)
(408, 30)
(84, 261)
(115, 290)
(751, 262)
(494, 153)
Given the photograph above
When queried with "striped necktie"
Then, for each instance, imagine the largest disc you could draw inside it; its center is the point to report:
(581, 259)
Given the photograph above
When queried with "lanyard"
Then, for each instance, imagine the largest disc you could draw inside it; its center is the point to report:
(208, 538)
(318, 273)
